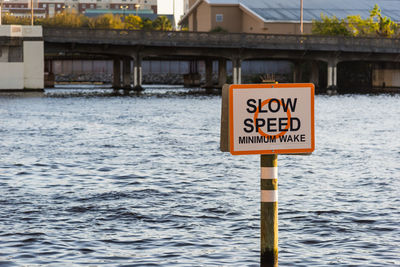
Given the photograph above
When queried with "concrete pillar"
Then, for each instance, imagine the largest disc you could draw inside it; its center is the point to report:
(209, 73)
(332, 73)
(237, 71)
(335, 75)
(314, 73)
(221, 72)
(126, 79)
(116, 73)
(137, 73)
(49, 78)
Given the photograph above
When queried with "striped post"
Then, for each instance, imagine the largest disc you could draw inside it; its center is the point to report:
(269, 210)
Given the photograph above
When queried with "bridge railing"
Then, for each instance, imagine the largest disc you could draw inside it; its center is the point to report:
(235, 40)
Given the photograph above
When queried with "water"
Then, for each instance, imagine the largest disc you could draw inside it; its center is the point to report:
(93, 179)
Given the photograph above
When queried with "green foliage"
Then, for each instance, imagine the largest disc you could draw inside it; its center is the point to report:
(355, 25)
(218, 29)
(147, 24)
(383, 26)
(8, 19)
(330, 26)
(359, 26)
(162, 23)
(64, 19)
(107, 21)
(133, 22)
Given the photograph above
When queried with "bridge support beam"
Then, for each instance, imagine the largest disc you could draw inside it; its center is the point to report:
(221, 72)
(126, 80)
(209, 73)
(137, 74)
(237, 71)
(332, 74)
(116, 74)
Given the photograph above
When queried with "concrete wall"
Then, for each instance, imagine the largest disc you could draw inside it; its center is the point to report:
(33, 64)
(11, 30)
(204, 17)
(251, 24)
(286, 28)
(386, 78)
(22, 67)
(232, 18)
(11, 75)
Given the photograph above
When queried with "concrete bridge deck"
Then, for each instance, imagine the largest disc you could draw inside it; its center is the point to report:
(124, 45)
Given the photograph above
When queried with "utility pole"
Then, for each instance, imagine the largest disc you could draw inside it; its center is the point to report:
(137, 8)
(1, 10)
(301, 16)
(32, 12)
(173, 14)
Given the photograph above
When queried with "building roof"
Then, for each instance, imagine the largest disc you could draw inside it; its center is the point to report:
(289, 10)
(98, 12)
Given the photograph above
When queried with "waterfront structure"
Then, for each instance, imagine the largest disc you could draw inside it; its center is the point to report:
(44, 8)
(274, 16)
(21, 57)
(124, 46)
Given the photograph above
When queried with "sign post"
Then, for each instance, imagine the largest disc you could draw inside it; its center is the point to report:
(268, 119)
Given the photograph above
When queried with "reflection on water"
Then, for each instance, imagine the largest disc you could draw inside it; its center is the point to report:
(87, 177)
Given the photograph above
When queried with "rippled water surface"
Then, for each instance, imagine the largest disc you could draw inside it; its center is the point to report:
(95, 179)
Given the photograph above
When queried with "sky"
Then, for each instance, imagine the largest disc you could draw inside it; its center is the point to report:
(166, 7)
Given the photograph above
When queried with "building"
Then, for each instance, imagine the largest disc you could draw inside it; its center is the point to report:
(44, 8)
(171, 7)
(274, 16)
(21, 57)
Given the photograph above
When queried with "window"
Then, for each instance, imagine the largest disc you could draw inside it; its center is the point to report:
(44, 5)
(219, 18)
(83, 6)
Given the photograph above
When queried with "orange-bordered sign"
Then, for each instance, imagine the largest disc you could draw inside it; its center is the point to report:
(271, 118)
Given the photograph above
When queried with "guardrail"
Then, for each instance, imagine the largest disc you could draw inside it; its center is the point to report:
(221, 40)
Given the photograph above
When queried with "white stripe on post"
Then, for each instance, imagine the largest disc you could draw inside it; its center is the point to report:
(269, 172)
(269, 195)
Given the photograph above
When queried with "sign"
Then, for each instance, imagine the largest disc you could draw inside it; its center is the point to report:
(271, 118)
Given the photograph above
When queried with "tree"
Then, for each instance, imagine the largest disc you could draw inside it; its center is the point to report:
(330, 26)
(107, 21)
(147, 24)
(383, 26)
(133, 22)
(359, 26)
(9, 19)
(162, 23)
(355, 25)
(64, 19)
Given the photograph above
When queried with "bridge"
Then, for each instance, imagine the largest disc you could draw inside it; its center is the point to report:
(125, 46)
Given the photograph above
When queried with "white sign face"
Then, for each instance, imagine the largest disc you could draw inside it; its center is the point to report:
(271, 118)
